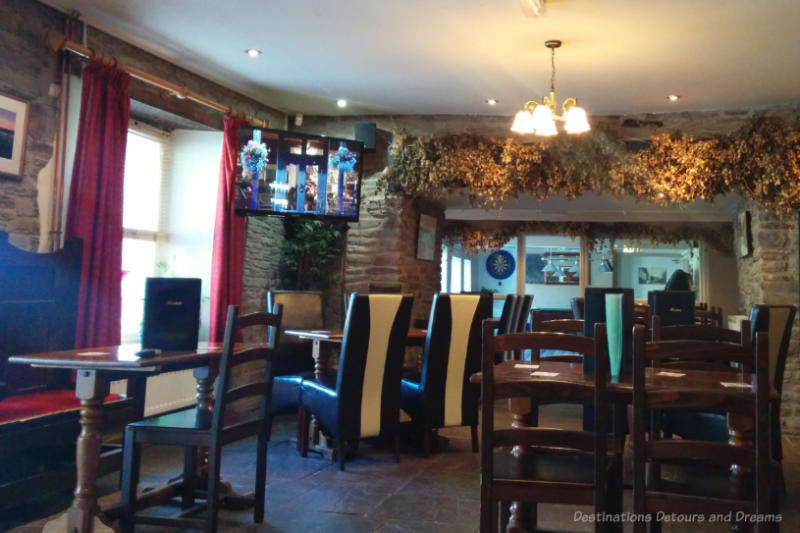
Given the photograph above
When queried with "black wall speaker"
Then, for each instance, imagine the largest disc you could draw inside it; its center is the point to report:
(674, 307)
(365, 133)
(171, 313)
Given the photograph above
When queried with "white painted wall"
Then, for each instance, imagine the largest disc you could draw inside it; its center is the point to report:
(626, 270)
(192, 181)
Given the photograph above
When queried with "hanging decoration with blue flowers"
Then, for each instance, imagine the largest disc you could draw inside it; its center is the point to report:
(344, 159)
(255, 157)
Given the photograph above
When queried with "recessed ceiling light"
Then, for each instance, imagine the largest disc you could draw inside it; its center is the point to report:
(341, 102)
(253, 52)
(674, 97)
(491, 101)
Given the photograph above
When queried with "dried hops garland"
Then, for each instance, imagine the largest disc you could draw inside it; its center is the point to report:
(475, 239)
(761, 161)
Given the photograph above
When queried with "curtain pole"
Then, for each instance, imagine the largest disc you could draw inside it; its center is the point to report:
(57, 41)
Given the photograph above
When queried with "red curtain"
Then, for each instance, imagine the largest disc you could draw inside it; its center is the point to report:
(94, 213)
(228, 256)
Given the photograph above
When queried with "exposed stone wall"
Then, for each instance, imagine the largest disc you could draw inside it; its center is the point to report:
(261, 258)
(770, 276)
(27, 68)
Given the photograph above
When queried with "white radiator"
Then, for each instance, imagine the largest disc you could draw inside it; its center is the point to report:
(165, 392)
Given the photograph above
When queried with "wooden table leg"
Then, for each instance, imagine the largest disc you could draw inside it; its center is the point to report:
(84, 514)
(523, 413)
(318, 441)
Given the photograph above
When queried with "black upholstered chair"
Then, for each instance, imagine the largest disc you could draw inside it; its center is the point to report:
(193, 428)
(292, 359)
(514, 317)
(363, 399)
(674, 307)
(577, 308)
(444, 397)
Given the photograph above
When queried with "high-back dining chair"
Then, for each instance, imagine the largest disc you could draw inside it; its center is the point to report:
(554, 465)
(514, 317)
(700, 481)
(363, 399)
(193, 428)
(444, 397)
(674, 307)
(291, 359)
(776, 321)
(577, 304)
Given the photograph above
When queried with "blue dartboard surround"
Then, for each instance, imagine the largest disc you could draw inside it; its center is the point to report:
(500, 264)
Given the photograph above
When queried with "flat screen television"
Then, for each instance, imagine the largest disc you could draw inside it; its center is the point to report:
(288, 173)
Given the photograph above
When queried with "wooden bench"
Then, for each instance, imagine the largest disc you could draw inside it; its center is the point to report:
(39, 413)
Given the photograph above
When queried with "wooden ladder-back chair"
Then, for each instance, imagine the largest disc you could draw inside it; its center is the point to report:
(777, 322)
(192, 429)
(701, 346)
(709, 317)
(552, 465)
(706, 464)
(563, 325)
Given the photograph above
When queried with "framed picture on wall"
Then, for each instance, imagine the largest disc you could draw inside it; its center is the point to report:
(744, 243)
(426, 237)
(652, 275)
(13, 132)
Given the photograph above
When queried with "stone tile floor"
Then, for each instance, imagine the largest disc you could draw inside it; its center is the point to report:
(437, 494)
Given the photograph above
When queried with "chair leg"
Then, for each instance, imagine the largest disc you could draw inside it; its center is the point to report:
(426, 443)
(474, 433)
(189, 476)
(396, 446)
(505, 516)
(299, 429)
(261, 478)
(340, 451)
(488, 517)
(130, 479)
(212, 503)
(302, 425)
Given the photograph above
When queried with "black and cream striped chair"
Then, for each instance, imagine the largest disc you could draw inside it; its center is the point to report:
(444, 397)
(363, 399)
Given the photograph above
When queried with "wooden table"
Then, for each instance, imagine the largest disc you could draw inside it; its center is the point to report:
(416, 337)
(620, 392)
(96, 369)
(317, 441)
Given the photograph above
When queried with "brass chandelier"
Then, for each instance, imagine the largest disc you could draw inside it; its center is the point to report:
(539, 118)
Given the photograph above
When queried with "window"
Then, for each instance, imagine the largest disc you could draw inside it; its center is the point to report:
(142, 221)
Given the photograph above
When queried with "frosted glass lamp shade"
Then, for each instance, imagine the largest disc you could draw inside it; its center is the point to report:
(523, 122)
(543, 121)
(576, 120)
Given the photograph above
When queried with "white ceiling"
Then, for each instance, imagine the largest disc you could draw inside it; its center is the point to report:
(448, 56)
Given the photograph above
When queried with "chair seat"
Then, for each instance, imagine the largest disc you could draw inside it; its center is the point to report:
(693, 425)
(286, 391)
(549, 466)
(412, 398)
(320, 398)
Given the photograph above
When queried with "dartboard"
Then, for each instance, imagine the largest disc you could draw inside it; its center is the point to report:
(500, 264)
